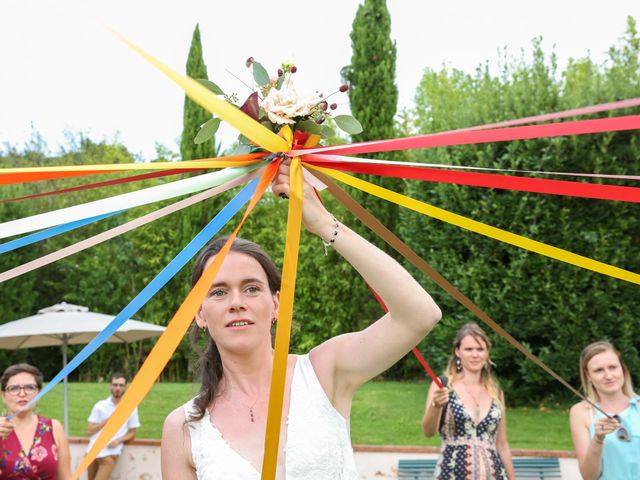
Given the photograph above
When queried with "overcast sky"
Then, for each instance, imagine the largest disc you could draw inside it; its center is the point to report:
(61, 70)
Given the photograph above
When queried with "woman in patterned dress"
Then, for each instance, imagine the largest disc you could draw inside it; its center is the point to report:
(473, 428)
(31, 447)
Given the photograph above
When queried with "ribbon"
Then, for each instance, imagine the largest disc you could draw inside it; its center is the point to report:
(575, 112)
(213, 227)
(119, 230)
(352, 160)
(171, 337)
(231, 114)
(32, 174)
(448, 139)
(120, 202)
(51, 232)
(426, 366)
(504, 182)
(283, 329)
(351, 206)
(483, 228)
(403, 249)
(133, 178)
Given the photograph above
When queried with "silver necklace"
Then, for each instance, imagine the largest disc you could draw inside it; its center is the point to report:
(252, 415)
(477, 417)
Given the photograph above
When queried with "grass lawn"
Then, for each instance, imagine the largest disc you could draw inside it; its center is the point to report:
(383, 413)
(390, 413)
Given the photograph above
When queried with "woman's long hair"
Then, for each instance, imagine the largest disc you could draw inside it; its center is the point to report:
(487, 379)
(210, 363)
(587, 354)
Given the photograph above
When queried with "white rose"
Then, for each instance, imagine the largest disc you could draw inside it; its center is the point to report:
(285, 104)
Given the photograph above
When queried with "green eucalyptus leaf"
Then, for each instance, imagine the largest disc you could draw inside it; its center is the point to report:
(210, 85)
(241, 150)
(207, 131)
(268, 125)
(348, 124)
(260, 75)
(327, 132)
(279, 82)
(309, 126)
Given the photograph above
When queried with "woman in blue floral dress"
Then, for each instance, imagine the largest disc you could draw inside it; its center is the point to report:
(469, 414)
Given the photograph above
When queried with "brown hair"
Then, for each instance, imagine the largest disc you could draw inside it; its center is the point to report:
(21, 368)
(587, 354)
(209, 363)
(487, 379)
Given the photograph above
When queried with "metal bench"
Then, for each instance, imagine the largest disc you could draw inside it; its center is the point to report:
(539, 468)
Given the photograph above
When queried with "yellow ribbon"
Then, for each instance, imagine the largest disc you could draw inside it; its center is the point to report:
(231, 114)
(116, 167)
(283, 330)
(170, 338)
(483, 228)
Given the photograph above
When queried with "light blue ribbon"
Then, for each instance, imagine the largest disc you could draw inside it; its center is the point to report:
(199, 241)
(51, 232)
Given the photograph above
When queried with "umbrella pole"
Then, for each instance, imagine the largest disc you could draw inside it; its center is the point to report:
(66, 405)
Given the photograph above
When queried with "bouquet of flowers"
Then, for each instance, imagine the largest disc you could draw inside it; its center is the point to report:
(278, 106)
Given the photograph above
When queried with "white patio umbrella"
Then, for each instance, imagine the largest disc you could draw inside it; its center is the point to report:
(65, 324)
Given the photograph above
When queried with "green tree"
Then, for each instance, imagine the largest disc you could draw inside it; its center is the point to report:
(373, 97)
(554, 308)
(194, 115)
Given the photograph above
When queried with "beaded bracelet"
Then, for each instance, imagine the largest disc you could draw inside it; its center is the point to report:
(332, 240)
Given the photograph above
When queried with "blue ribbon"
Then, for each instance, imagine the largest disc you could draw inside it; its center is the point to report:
(199, 241)
(51, 232)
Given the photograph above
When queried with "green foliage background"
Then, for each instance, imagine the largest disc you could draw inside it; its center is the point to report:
(552, 307)
(373, 98)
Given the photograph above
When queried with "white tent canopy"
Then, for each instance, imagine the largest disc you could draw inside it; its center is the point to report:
(66, 324)
(70, 324)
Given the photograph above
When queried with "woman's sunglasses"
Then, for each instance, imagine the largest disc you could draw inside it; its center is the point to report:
(622, 433)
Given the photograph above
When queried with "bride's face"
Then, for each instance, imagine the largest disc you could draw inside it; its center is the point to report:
(239, 307)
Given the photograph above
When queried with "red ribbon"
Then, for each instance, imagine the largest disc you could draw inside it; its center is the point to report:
(489, 180)
(133, 178)
(414, 350)
(447, 139)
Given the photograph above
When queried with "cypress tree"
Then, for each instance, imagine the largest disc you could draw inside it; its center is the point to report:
(194, 115)
(373, 97)
(371, 75)
(373, 94)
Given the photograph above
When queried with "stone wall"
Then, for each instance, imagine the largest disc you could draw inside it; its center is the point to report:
(140, 459)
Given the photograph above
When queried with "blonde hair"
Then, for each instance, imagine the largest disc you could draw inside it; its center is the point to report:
(587, 354)
(487, 379)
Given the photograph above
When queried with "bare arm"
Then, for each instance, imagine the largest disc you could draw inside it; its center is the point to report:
(345, 362)
(175, 450)
(127, 437)
(431, 417)
(502, 445)
(64, 454)
(588, 450)
(93, 428)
